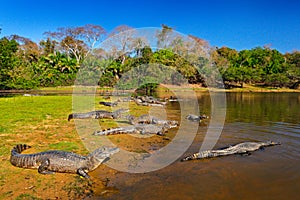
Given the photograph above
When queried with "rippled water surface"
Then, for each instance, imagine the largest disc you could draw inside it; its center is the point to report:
(273, 173)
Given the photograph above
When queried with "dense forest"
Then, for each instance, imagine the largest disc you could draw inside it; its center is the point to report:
(55, 61)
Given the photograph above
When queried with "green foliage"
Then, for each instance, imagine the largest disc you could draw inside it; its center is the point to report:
(111, 73)
(293, 69)
(259, 65)
(67, 56)
(8, 49)
(147, 89)
(22, 72)
(55, 70)
(181, 65)
(48, 46)
(90, 71)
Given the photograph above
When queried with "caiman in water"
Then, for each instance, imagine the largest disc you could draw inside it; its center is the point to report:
(193, 117)
(242, 148)
(49, 162)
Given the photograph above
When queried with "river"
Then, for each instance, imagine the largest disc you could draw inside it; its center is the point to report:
(272, 173)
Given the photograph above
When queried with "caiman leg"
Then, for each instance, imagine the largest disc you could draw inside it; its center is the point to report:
(81, 172)
(43, 168)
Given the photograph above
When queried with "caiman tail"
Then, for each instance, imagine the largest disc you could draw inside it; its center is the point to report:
(70, 117)
(19, 148)
(22, 160)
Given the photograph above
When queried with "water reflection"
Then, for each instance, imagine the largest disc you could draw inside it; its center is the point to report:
(263, 107)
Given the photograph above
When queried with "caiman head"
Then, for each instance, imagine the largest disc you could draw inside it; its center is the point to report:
(119, 113)
(130, 118)
(270, 143)
(100, 155)
(204, 116)
(173, 123)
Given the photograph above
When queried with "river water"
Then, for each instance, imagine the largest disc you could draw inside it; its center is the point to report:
(272, 173)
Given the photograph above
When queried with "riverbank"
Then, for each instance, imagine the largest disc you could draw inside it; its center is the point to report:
(108, 91)
(246, 88)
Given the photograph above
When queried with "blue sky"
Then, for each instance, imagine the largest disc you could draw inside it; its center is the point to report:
(243, 24)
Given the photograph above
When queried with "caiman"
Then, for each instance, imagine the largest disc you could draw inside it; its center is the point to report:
(243, 148)
(125, 99)
(148, 101)
(49, 162)
(149, 119)
(192, 117)
(110, 104)
(98, 114)
(143, 129)
(145, 124)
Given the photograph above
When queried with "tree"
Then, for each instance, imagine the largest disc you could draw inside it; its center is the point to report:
(293, 58)
(139, 44)
(293, 63)
(78, 41)
(122, 42)
(8, 49)
(164, 37)
(55, 70)
(48, 46)
(91, 35)
(27, 49)
(145, 55)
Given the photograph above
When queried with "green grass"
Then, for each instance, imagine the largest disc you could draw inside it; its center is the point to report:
(27, 197)
(70, 88)
(41, 121)
(67, 146)
(21, 110)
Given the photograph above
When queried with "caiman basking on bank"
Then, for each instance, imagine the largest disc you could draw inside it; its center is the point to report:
(49, 162)
(109, 104)
(148, 101)
(149, 119)
(144, 124)
(243, 148)
(143, 129)
(98, 114)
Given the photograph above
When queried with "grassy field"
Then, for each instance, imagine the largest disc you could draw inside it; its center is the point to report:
(40, 121)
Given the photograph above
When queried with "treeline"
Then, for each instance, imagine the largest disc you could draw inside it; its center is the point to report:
(56, 61)
(260, 66)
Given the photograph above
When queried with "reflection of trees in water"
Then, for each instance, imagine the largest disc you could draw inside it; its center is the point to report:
(263, 107)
